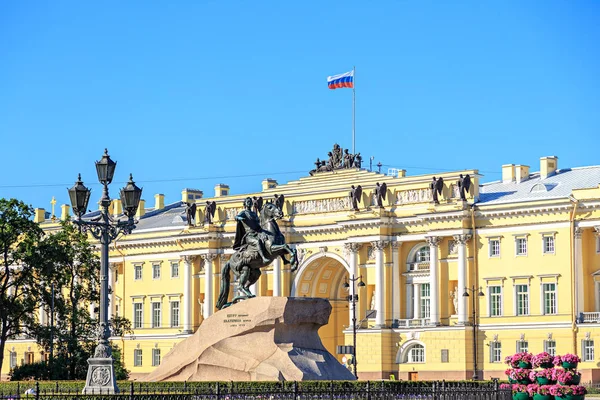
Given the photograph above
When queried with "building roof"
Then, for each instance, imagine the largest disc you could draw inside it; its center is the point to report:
(559, 185)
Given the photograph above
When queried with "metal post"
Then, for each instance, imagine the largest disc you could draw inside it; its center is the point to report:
(353, 110)
(51, 334)
(475, 376)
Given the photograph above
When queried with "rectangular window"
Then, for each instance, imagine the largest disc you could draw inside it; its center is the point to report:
(155, 271)
(416, 354)
(156, 315)
(495, 352)
(549, 290)
(550, 347)
(174, 270)
(137, 272)
(138, 315)
(13, 360)
(495, 301)
(522, 346)
(445, 355)
(155, 357)
(522, 299)
(137, 357)
(521, 244)
(494, 247)
(425, 302)
(548, 244)
(587, 347)
(174, 314)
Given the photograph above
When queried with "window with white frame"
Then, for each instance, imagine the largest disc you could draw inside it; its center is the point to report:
(174, 314)
(521, 246)
(155, 357)
(495, 352)
(13, 360)
(425, 301)
(174, 270)
(422, 255)
(587, 348)
(137, 272)
(495, 299)
(137, 357)
(550, 304)
(138, 315)
(494, 247)
(522, 346)
(522, 295)
(416, 354)
(548, 244)
(155, 271)
(156, 314)
(550, 347)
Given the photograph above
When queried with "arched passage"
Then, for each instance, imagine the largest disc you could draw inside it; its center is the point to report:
(323, 275)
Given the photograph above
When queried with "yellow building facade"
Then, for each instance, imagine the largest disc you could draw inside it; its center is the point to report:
(529, 242)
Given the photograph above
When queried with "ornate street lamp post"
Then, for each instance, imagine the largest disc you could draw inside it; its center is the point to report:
(474, 305)
(101, 373)
(353, 299)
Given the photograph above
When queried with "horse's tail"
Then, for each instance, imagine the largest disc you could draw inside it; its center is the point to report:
(225, 279)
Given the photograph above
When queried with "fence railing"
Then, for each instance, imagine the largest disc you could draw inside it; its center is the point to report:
(334, 390)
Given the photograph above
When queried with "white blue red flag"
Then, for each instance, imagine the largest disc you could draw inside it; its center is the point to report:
(345, 80)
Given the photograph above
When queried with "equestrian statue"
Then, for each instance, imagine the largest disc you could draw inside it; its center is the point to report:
(258, 241)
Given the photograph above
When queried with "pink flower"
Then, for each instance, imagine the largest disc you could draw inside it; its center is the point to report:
(519, 374)
(571, 358)
(505, 386)
(517, 388)
(558, 390)
(556, 361)
(577, 390)
(542, 358)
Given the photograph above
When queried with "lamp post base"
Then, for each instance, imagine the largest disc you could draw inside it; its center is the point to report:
(100, 376)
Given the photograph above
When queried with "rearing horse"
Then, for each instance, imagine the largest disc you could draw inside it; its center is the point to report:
(246, 262)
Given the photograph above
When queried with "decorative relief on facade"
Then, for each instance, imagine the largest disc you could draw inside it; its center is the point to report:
(301, 254)
(413, 196)
(454, 191)
(452, 249)
(370, 253)
(351, 248)
(209, 257)
(230, 213)
(320, 206)
(578, 232)
(461, 239)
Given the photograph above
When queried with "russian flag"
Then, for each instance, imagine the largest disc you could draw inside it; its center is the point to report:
(345, 80)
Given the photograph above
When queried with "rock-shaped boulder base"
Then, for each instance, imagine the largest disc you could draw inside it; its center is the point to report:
(260, 339)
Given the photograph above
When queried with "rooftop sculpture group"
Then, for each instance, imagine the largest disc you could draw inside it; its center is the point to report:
(338, 158)
(437, 187)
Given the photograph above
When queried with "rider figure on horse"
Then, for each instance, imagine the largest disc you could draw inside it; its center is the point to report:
(249, 233)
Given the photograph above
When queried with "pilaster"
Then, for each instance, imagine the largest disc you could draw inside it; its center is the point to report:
(434, 290)
(461, 243)
(378, 247)
(209, 268)
(187, 293)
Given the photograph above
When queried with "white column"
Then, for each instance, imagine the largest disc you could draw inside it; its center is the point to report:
(187, 293)
(352, 256)
(42, 315)
(378, 247)
(408, 305)
(434, 241)
(597, 295)
(277, 277)
(111, 295)
(579, 286)
(461, 242)
(396, 280)
(416, 301)
(209, 260)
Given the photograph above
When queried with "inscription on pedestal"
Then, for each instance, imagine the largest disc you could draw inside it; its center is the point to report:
(237, 320)
(101, 376)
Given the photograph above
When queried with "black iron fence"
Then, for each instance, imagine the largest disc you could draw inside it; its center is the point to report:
(333, 390)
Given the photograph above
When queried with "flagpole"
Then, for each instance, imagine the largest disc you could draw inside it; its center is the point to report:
(354, 110)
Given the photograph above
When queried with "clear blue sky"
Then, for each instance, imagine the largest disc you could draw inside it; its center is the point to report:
(190, 94)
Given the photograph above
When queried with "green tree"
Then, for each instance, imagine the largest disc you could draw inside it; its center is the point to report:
(21, 270)
(74, 270)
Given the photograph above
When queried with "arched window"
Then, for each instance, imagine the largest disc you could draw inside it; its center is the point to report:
(415, 354)
(422, 255)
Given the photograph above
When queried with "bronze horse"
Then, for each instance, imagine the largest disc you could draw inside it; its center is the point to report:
(246, 263)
